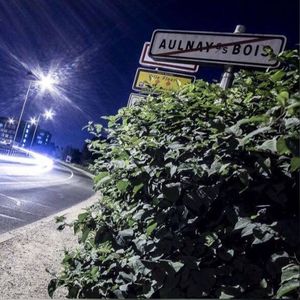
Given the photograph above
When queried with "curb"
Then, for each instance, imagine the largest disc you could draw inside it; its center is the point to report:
(90, 175)
(70, 213)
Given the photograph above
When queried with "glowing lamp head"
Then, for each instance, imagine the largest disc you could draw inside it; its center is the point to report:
(33, 121)
(48, 114)
(11, 121)
(47, 83)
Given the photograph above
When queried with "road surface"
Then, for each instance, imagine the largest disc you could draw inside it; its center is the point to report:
(28, 198)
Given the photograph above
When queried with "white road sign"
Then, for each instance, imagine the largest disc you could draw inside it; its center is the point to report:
(135, 98)
(146, 60)
(217, 48)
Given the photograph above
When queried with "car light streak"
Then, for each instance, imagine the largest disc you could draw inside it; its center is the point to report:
(33, 165)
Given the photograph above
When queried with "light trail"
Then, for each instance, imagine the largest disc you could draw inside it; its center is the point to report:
(33, 165)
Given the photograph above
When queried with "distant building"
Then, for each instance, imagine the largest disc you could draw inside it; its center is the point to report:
(7, 130)
(25, 134)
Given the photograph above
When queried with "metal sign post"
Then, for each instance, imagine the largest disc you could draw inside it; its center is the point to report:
(227, 77)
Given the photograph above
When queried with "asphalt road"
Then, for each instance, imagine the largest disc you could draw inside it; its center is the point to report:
(25, 199)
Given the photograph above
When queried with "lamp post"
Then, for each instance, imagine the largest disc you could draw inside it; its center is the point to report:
(48, 115)
(21, 114)
(45, 83)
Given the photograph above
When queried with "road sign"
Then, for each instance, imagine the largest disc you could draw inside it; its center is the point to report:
(146, 60)
(135, 98)
(217, 48)
(146, 79)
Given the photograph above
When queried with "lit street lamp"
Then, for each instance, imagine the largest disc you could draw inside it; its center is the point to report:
(11, 121)
(48, 115)
(44, 83)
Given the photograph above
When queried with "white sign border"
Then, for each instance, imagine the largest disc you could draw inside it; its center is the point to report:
(212, 61)
(161, 65)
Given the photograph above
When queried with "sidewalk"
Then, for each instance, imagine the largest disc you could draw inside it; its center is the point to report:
(26, 252)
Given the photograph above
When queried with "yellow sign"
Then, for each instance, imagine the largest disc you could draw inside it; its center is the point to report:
(146, 79)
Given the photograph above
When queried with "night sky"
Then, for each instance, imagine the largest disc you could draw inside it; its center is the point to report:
(93, 48)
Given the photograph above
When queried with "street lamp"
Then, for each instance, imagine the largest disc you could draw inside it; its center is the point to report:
(11, 121)
(45, 83)
(48, 115)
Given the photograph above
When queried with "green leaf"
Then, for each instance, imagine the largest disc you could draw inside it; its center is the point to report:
(100, 176)
(177, 266)
(137, 188)
(59, 219)
(172, 191)
(288, 287)
(150, 228)
(254, 133)
(269, 145)
(225, 296)
(277, 76)
(122, 185)
(82, 217)
(242, 223)
(283, 97)
(295, 164)
(281, 146)
(85, 234)
(290, 272)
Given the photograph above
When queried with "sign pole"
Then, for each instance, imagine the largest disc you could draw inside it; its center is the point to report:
(227, 77)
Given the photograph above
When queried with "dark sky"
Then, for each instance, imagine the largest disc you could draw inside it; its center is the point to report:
(93, 47)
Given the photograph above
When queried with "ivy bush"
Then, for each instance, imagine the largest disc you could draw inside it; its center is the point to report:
(199, 195)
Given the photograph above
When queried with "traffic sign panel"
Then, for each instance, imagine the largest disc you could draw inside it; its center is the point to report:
(218, 48)
(146, 79)
(146, 60)
(135, 98)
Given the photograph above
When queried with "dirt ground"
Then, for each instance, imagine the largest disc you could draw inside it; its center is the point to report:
(26, 253)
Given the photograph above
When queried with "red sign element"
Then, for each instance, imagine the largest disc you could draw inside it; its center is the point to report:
(146, 60)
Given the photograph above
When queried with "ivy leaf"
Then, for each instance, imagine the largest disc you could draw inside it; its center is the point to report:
(295, 164)
(177, 266)
(150, 228)
(137, 188)
(269, 145)
(277, 76)
(59, 219)
(100, 176)
(172, 191)
(255, 132)
(283, 97)
(290, 280)
(82, 217)
(282, 147)
(122, 185)
(242, 223)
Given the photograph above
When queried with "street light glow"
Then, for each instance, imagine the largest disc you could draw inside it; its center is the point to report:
(47, 82)
(48, 114)
(11, 121)
(33, 121)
